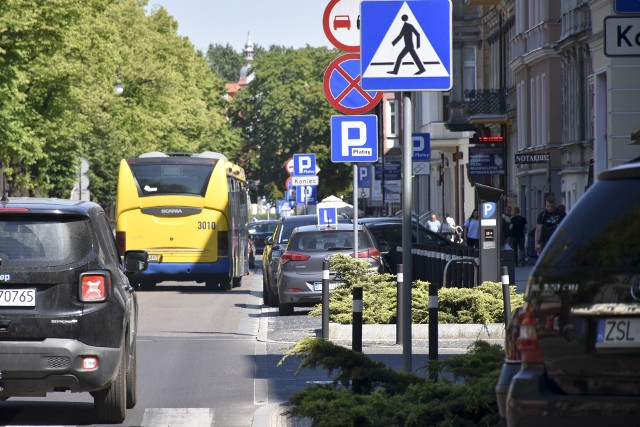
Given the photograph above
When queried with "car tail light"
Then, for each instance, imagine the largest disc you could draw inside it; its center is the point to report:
(291, 256)
(223, 243)
(89, 363)
(95, 286)
(527, 342)
(5, 210)
(369, 253)
(121, 242)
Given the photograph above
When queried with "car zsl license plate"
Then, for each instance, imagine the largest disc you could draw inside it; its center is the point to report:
(618, 332)
(153, 258)
(18, 297)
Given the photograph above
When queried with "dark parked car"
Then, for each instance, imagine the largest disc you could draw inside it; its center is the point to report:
(68, 315)
(259, 231)
(275, 246)
(577, 337)
(389, 230)
(300, 271)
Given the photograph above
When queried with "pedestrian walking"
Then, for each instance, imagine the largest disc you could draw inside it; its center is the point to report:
(547, 222)
(472, 230)
(518, 228)
(406, 33)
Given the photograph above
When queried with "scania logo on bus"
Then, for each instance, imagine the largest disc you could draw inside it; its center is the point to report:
(171, 211)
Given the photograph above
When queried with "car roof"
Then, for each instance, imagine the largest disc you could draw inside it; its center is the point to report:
(47, 205)
(626, 171)
(337, 227)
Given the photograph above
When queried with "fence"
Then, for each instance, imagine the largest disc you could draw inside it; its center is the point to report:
(429, 261)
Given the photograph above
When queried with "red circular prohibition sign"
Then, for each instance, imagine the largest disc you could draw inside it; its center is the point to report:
(343, 101)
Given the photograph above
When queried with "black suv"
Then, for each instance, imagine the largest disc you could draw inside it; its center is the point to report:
(68, 315)
(573, 349)
(275, 246)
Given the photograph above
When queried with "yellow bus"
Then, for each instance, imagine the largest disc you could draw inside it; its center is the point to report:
(189, 212)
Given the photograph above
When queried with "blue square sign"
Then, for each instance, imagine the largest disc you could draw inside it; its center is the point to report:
(354, 138)
(306, 195)
(406, 45)
(327, 216)
(304, 164)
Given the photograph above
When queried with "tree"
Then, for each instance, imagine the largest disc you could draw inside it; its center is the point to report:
(283, 111)
(224, 61)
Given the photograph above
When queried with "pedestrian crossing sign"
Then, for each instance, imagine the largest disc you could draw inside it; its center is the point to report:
(406, 45)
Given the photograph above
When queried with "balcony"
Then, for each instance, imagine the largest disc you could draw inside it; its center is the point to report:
(485, 106)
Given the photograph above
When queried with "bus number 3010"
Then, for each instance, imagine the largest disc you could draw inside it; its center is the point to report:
(206, 225)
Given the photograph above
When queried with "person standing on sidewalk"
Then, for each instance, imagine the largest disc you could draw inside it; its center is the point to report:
(518, 227)
(472, 230)
(547, 222)
(433, 223)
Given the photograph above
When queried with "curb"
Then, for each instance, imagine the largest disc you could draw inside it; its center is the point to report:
(491, 331)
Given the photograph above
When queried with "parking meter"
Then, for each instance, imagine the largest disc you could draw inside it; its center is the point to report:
(490, 215)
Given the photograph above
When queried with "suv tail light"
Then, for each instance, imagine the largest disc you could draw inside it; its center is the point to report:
(527, 342)
(223, 243)
(368, 253)
(290, 256)
(95, 286)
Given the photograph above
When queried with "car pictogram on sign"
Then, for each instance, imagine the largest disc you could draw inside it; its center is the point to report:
(342, 21)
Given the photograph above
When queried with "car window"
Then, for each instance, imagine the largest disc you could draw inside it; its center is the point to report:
(43, 242)
(322, 240)
(595, 238)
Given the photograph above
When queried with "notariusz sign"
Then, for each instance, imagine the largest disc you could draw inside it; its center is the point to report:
(529, 159)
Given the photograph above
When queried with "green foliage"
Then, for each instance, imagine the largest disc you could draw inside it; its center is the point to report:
(225, 61)
(483, 304)
(59, 60)
(384, 397)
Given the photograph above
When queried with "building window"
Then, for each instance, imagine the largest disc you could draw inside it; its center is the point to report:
(468, 69)
(392, 117)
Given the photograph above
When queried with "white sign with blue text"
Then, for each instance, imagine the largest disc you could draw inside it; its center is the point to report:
(354, 138)
(406, 45)
(304, 164)
(306, 195)
(327, 216)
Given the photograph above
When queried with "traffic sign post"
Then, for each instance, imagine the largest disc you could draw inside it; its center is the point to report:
(327, 216)
(304, 164)
(341, 24)
(342, 88)
(406, 45)
(354, 139)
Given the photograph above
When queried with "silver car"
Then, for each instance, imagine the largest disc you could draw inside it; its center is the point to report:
(299, 276)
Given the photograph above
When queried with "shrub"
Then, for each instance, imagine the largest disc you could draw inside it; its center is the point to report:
(384, 397)
(482, 304)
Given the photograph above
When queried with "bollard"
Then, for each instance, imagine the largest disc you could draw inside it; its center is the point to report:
(433, 329)
(356, 333)
(399, 305)
(325, 300)
(506, 294)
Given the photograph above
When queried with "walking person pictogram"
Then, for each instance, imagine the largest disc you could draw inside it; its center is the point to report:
(406, 34)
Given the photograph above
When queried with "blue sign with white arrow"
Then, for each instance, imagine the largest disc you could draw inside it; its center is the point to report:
(354, 138)
(406, 45)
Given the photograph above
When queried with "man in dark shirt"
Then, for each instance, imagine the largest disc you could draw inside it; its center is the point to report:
(518, 228)
(548, 221)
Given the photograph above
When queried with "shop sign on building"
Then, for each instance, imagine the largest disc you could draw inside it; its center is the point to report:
(486, 161)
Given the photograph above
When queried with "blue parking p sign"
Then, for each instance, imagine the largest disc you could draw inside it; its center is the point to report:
(306, 195)
(304, 164)
(327, 216)
(354, 138)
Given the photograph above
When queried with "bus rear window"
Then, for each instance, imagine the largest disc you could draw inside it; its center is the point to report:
(154, 180)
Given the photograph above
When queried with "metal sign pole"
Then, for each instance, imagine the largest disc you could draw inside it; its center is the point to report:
(407, 171)
(355, 211)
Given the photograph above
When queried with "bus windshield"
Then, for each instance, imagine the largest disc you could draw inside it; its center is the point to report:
(162, 179)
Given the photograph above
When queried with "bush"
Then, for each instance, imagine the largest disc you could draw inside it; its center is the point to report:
(384, 397)
(482, 304)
